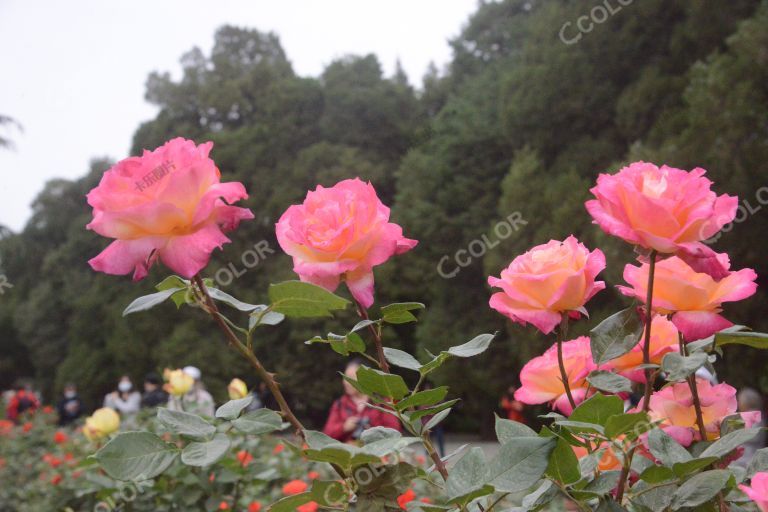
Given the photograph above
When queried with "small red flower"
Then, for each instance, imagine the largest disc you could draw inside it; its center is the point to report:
(56, 480)
(48, 409)
(223, 505)
(278, 449)
(27, 427)
(294, 487)
(254, 506)
(313, 475)
(405, 498)
(307, 507)
(60, 437)
(244, 457)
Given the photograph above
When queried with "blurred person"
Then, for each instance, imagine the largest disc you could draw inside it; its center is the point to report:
(154, 395)
(750, 400)
(69, 407)
(513, 409)
(197, 400)
(350, 415)
(23, 400)
(125, 400)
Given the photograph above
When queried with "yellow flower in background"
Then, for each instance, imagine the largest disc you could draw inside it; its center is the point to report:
(177, 382)
(237, 389)
(101, 423)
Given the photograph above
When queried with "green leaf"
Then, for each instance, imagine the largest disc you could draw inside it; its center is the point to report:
(136, 456)
(466, 479)
(730, 442)
(604, 483)
(290, 503)
(543, 494)
(666, 449)
(420, 413)
(683, 469)
(384, 384)
(400, 312)
(758, 463)
(182, 296)
(233, 408)
(437, 418)
(616, 335)
(507, 430)
(657, 474)
(344, 345)
(597, 409)
(402, 359)
(609, 381)
(563, 464)
(679, 367)
(298, 299)
(751, 339)
(262, 315)
(475, 346)
(328, 493)
(226, 298)
(701, 488)
(619, 424)
(149, 301)
(259, 421)
(519, 464)
(422, 398)
(205, 453)
(581, 426)
(185, 424)
(434, 364)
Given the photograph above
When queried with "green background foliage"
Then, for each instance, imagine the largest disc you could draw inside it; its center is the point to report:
(517, 122)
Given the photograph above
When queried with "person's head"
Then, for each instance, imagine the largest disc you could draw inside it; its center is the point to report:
(195, 373)
(351, 372)
(70, 390)
(125, 385)
(750, 400)
(152, 381)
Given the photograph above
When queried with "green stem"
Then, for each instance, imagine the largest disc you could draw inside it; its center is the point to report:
(382, 360)
(562, 333)
(691, 379)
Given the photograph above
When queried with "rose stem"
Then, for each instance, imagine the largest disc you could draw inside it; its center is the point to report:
(694, 393)
(562, 333)
(263, 374)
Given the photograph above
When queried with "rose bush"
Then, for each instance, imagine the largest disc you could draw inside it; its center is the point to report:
(672, 450)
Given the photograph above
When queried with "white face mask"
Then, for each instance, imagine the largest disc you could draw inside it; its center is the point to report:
(124, 386)
(70, 394)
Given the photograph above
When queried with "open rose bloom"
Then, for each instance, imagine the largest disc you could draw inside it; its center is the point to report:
(168, 204)
(540, 377)
(673, 407)
(547, 281)
(693, 298)
(666, 209)
(341, 233)
(757, 491)
(101, 423)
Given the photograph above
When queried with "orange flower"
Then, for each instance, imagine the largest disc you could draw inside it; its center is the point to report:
(254, 506)
(223, 505)
(307, 507)
(294, 487)
(60, 437)
(27, 427)
(278, 449)
(244, 457)
(405, 498)
(313, 475)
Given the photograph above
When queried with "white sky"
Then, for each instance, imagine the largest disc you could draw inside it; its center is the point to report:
(73, 71)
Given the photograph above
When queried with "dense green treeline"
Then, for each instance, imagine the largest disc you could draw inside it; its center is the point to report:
(492, 155)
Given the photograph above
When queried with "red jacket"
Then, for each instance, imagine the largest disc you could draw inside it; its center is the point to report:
(344, 408)
(21, 401)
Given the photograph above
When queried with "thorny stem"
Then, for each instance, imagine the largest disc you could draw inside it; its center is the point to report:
(263, 374)
(383, 364)
(563, 332)
(694, 393)
(649, 374)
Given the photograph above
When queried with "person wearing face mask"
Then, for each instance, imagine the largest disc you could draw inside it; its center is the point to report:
(69, 407)
(125, 400)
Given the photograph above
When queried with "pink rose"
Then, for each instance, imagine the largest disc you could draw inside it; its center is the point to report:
(758, 490)
(673, 407)
(168, 204)
(666, 209)
(540, 377)
(693, 299)
(547, 281)
(664, 339)
(339, 233)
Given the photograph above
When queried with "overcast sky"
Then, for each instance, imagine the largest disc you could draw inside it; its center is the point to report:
(73, 72)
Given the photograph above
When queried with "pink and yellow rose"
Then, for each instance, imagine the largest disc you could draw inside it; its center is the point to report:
(694, 299)
(341, 233)
(540, 377)
(550, 280)
(673, 407)
(757, 491)
(664, 339)
(666, 209)
(167, 204)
